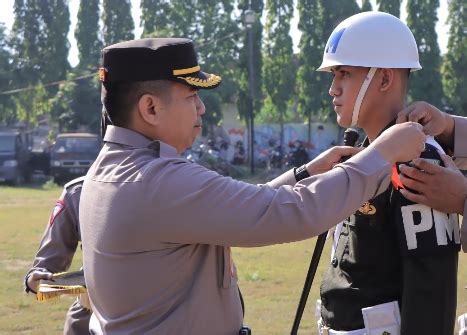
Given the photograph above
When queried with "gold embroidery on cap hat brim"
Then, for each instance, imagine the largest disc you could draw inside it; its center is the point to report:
(186, 71)
(211, 81)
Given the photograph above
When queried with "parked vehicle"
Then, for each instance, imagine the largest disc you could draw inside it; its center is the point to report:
(72, 155)
(14, 157)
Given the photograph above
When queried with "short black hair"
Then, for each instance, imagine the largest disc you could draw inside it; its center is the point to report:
(120, 98)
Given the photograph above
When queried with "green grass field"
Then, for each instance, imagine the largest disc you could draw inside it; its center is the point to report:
(271, 278)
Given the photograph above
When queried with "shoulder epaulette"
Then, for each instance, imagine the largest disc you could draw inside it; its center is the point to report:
(76, 181)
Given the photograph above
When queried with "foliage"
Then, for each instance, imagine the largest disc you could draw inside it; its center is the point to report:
(278, 68)
(366, 6)
(455, 61)
(32, 105)
(311, 85)
(39, 54)
(87, 35)
(426, 83)
(390, 6)
(118, 22)
(6, 102)
(244, 104)
(155, 17)
(77, 104)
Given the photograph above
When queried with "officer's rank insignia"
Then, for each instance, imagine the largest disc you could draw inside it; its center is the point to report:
(59, 207)
(367, 209)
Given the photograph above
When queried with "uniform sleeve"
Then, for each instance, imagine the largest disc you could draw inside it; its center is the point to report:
(287, 178)
(205, 207)
(61, 236)
(460, 137)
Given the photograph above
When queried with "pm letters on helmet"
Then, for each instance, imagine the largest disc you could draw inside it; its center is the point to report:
(446, 225)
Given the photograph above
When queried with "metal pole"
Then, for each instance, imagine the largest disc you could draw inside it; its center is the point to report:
(252, 98)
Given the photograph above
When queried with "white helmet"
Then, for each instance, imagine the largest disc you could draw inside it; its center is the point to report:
(374, 40)
(371, 39)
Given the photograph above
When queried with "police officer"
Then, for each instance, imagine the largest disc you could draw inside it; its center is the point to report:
(157, 229)
(57, 248)
(393, 256)
(436, 186)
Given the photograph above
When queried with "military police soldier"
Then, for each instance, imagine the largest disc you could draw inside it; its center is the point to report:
(391, 253)
(157, 229)
(57, 248)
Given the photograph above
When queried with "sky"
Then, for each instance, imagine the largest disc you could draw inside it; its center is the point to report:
(7, 17)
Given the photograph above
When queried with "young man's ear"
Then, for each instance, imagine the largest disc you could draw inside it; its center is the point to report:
(149, 107)
(387, 79)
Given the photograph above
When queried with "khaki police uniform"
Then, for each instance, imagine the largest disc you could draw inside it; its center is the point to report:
(157, 229)
(58, 246)
(460, 151)
(389, 250)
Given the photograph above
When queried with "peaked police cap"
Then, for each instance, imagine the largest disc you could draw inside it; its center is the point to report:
(155, 59)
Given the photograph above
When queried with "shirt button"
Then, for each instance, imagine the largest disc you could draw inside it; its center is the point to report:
(334, 262)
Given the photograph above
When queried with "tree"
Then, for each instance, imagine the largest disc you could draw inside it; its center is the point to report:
(244, 103)
(39, 52)
(311, 86)
(155, 17)
(118, 23)
(422, 18)
(77, 104)
(455, 61)
(366, 6)
(6, 102)
(390, 6)
(31, 105)
(87, 35)
(55, 18)
(217, 51)
(278, 68)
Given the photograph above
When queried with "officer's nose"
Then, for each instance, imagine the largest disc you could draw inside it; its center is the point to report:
(200, 108)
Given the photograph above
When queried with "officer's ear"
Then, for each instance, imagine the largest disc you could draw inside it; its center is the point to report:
(149, 107)
(386, 79)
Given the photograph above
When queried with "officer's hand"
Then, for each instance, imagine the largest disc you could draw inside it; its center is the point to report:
(434, 121)
(444, 189)
(34, 278)
(327, 159)
(401, 142)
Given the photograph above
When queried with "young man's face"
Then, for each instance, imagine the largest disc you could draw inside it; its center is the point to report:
(181, 117)
(344, 90)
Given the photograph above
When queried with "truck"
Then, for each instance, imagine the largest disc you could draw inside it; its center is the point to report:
(72, 155)
(14, 157)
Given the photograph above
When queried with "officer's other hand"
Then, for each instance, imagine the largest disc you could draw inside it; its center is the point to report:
(401, 142)
(441, 188)
(434, 121)
(327, 159)
(35, 277)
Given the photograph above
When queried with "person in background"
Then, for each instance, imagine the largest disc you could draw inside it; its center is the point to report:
(56, 251)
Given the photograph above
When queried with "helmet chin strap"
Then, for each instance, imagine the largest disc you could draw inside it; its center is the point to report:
(361, 95)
